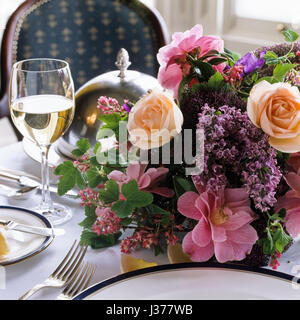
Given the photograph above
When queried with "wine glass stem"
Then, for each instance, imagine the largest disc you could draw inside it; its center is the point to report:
(46, 198)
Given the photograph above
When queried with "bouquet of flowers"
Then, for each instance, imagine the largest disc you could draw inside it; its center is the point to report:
(223, 177)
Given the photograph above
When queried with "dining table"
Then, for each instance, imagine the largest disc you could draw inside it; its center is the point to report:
(22, 276)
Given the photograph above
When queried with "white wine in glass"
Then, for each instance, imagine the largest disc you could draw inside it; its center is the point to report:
(42, 108)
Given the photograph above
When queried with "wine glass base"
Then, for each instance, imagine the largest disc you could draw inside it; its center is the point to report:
(57, 214)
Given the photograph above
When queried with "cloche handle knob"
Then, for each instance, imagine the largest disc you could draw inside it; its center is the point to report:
(122, 62)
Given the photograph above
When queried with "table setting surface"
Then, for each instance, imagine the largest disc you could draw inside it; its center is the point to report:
(22, 276)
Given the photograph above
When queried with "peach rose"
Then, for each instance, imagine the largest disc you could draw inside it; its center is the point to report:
(275, 108)
(154, 120)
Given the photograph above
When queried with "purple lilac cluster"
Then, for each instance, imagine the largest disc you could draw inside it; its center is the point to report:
(237, 154)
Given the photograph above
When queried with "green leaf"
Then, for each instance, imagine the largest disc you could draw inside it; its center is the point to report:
(137, 198)
(79, 179)
(77, 153)
(281, 239)
(268, 243)
(269, 79)
(206, 70)
(83, 145)
(154, 209)
(234, 55)
(111, 193)
(211, 53)
(215, 82)
(91, 217)
(67, 182)
(281, 70)
(123, 208)
(126, 222)
(290, 35)
(69, 177)
(105, 132)
(111, 119)
(97, 242)
(216, 61)
(94, 178)
(63, 168)
(97, 147)
(271, 57)
(182, 185)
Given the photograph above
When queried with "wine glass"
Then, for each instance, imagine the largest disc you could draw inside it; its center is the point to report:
(42, 106)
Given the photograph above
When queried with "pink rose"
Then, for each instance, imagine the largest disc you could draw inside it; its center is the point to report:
(276, 109)
(154, 121)
(224, 225)
(170, 73)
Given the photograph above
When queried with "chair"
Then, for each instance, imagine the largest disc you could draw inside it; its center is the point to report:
(86, 33)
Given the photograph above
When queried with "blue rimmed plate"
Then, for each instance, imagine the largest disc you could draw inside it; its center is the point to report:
(23, 245)
(196, 281)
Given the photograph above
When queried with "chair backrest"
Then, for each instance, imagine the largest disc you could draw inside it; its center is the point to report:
(86, 33)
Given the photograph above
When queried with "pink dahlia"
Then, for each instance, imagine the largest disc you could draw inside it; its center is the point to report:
(147, 180)
(291, 200)
(224, 225)
(172, 57)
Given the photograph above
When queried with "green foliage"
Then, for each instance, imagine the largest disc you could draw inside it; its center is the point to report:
(279, 73)
(70, 176)
(83, 146)
(110, 193)
(133, 199)
(290, 35)
(97, 147)
(91, 217)
(182, 185)
(216, 81)
(111, 125)
(91, 238)
(276, 238)
(94, 177)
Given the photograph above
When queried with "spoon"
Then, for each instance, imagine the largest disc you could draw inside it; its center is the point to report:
(17, 193)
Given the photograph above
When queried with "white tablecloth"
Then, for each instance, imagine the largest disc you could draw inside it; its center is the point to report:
(24, 275)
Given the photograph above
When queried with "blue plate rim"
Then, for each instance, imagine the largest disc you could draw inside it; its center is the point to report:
(42, 247)
(187, 265)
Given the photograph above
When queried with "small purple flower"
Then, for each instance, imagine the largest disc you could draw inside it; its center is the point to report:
(251, 62)
(126, 107)
(238, 154)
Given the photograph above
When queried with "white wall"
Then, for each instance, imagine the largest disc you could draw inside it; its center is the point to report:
(7, 7)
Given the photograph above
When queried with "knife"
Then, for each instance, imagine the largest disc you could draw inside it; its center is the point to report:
(29, 182)
(46, 232)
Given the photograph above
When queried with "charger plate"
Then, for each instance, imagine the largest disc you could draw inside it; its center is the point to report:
(22, 245)
(196, 281)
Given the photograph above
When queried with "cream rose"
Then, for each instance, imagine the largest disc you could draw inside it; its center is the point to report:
(275, 108)
(154, 120)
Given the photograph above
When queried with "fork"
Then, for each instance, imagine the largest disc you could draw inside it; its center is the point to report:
(63, 273)
(79, 282)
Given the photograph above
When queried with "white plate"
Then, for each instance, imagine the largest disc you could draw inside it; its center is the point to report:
(195, 281)
(23, 245)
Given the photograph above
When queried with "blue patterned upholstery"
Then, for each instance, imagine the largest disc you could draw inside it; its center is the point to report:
(88, 34)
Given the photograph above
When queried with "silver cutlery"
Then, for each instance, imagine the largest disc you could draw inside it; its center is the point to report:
(80, 281)
(11, 192)
(46, 232)
(29, 182)
(63, 273)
